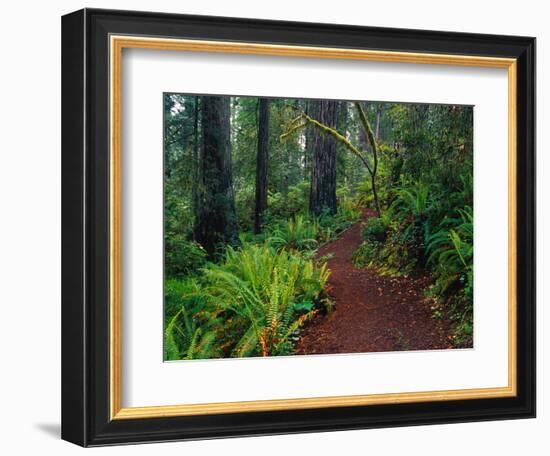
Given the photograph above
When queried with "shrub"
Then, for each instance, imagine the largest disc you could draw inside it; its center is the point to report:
(451, 256)
(249, 237)
(390, 246)
(365, 197)
(374, 229)
(394, 257)
(331, 225)
(451, 252)
(182, 291)
(284, 206)
(401, 253)
(187, 338)
(348, 208)
(295, 234)
(189, 331)
(271, 293)
(182, 256)
(251, 304)
(245, 202)
(414, 200)
(365, 254)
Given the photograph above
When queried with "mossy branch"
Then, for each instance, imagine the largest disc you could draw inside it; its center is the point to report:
(370, 135)
(293, 128)
(340, 138)
(327, 130)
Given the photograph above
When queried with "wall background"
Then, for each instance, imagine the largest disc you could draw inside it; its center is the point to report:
(30, 193)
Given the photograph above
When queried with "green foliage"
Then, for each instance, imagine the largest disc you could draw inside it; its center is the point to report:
(290, 226)
(409, 242)
(375, 232)
(451, 253)
(364, 190)
(348, 213)
(182, 291)
(393, 257)
(268, 292)
(182, 257)
(245, 201)
(348, 206)
(178, 217)
(394, 243)
(398, 241)
(374, 229)
(413, 200)
(180, 139)
(190, 331)
(298, 233)
(286, 205)
(365, 254)
(251, 304)
(464, 330)
(187, 338)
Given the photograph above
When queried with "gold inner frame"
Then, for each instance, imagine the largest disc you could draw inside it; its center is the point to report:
(117, 44)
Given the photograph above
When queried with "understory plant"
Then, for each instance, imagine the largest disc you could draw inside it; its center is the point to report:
(271, 292)
(451, 255)
(415, 233)
(290, 204)
(253, 303)
(298, 233)
(182, 256)
(391, 245)
(451, 251)
(189, 329)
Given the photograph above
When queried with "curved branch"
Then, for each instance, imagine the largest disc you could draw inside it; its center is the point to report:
(294, 128)
(372, 141)
(370, 134)
(340, 138)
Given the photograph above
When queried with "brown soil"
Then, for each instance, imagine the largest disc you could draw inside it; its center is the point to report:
(373, 313)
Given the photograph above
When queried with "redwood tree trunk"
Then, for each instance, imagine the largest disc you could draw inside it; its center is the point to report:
(196, 158)
(216, 221)
(322, 147)
(262, 157)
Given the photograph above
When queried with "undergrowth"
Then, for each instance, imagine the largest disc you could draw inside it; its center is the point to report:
(253, 303)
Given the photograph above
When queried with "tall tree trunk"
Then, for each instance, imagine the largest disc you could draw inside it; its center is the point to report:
(341, 152)
(216, 221)
(310, 109)
(322, 195)
(196, 158)
(262, 157)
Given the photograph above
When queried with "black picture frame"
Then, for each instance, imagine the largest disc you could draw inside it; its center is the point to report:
(85, 225)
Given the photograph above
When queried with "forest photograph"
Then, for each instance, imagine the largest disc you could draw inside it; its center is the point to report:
(312, 226)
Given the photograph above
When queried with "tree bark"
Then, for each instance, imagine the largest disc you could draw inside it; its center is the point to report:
(196, 157)
(322, 197)
(216, 221)
(262, 158)
(310, 109)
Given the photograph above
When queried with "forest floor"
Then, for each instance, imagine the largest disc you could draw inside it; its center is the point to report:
(373, 313)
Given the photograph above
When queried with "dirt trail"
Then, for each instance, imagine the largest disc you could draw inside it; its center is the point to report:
(373, 313)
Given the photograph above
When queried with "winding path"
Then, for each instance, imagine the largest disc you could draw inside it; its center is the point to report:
(373, 313)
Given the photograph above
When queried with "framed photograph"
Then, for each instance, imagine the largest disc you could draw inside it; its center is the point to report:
(279, 227)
